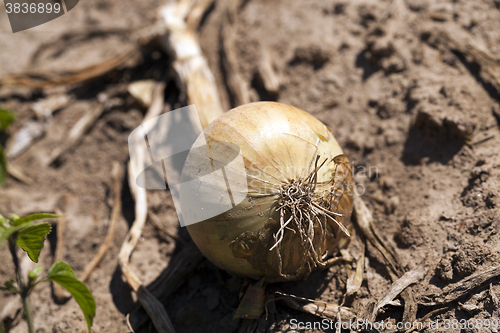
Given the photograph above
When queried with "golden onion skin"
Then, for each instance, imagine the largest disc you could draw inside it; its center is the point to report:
(280, 145)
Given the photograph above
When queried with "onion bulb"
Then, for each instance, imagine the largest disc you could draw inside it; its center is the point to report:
(299, 193)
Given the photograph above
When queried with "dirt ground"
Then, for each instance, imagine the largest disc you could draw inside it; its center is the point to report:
(420, 123)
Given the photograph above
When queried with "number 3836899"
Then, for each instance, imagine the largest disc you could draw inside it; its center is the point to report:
(32, 8)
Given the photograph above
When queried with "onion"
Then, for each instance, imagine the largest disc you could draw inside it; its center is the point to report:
(297, 201)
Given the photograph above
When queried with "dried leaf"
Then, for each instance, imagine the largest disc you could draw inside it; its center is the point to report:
(401, 284)
(356, 277)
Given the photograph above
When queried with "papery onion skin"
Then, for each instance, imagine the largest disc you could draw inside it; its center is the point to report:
(280, 145)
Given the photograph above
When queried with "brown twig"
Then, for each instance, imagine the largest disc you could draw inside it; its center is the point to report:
(317, 308)
(238, 88)
(364, 220)
(424, 319)
(398, 287)
(271, 81)
(76, 133)
(115, 215)
(43, 80)
(15, 172)
(463, 287)
(489, 65)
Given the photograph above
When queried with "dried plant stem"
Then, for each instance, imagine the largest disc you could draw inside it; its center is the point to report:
(463, 287)
(237, 86)
(134, 234)
(42, 80)
(397, 288)
(76, 133)
(194, 75)
(115, 215)
(153, 307)
(317, 308)
(364, 219)
(489, 65)
(19, 175)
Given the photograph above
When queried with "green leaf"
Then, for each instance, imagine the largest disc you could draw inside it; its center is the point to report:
(11, 286)
(3, 166)
(38, 216)
(13, 218)
(35, 273)
(6, 117)
(3, 222)
(6, 233)
(19, 223)
(62, 274)
(31, 239)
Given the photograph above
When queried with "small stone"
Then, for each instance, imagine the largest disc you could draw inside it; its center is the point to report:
(388, 183)
(391, 205)
(417, 5)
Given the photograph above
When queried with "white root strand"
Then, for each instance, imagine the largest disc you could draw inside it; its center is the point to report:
(115, 215)
(153, 307)
(141, 202)
(197, 81)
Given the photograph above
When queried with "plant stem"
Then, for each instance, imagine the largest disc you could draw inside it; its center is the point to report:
(29, 314)
(15, 260)
(22, 285)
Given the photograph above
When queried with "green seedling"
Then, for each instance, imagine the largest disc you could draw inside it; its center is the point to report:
(23, 232)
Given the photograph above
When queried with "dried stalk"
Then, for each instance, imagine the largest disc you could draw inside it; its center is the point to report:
(43, 80)
(134, 234)
(397, 288)
(267, 73)
(488, 63)
(76, 133)
(238, 88)
(463, 287)
(364, 221)
(355, 277)
(115, 215)
(18, 174)
(140, 196)
(317, 308)
(494, 298)
(25, 137)
(194, 75)
(153, 307)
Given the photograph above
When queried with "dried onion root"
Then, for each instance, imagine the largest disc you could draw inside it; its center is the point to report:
(299, 192)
